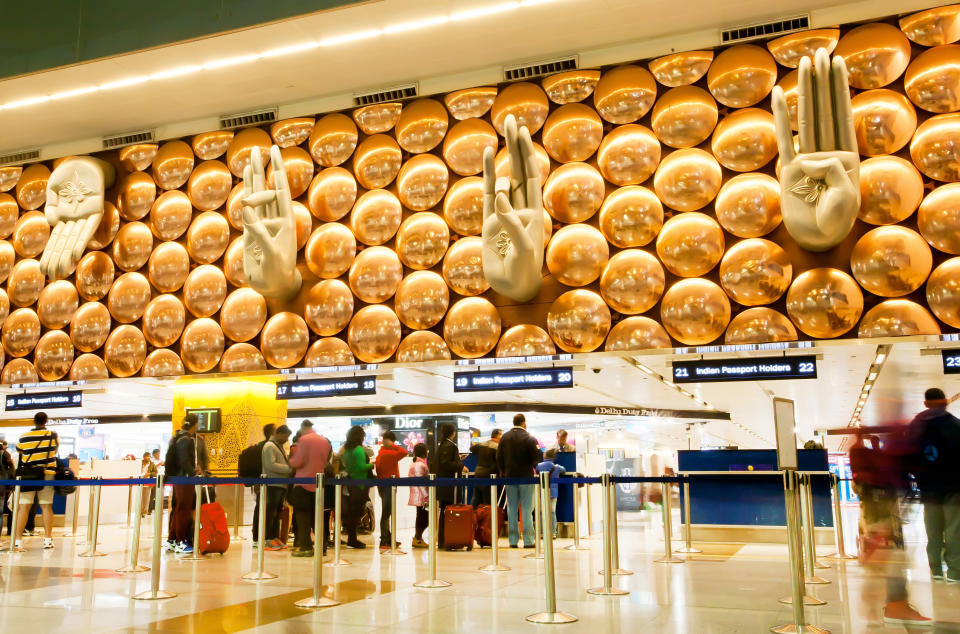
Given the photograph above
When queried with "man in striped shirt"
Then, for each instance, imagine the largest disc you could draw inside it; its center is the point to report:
(38, 451)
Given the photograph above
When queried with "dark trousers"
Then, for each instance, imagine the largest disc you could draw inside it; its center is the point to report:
(422, 522)
(386, 510)
(256, 513)
(941, 518)
(304, 506)
(442, 506)
(6, 511)
(354, 502)
(481, 494)
(275, 498)
(181, 514)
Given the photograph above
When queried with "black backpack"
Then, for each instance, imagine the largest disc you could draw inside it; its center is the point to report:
(171, 464)
(250, 463)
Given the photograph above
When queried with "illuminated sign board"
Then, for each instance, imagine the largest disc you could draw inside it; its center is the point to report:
(320, 388)
(755, 369)
(528, 379)
(951, 361)
(43, 400)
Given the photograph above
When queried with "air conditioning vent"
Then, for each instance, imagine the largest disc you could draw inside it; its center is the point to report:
(247, 119)
(539, 69)
(390, 94)
(19, 157)
(121, 140)
(766, 29)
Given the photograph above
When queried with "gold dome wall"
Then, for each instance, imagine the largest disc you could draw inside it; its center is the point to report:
(659, 180)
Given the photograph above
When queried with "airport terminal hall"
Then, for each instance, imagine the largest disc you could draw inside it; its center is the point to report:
(480, 316)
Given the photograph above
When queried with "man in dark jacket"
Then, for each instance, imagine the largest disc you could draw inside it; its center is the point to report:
(517, 456)
(182, 506)
(448, 466)
(486, 454)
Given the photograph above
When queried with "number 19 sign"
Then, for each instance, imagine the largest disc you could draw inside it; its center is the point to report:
(494, 380)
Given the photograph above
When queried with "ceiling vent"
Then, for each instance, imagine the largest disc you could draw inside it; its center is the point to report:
(539, 69)
(246, 119)
(19, 157)
(382, 96)
(766, 29)
(121, 140)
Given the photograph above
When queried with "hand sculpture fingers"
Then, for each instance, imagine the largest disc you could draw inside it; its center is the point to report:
(534, 194)
(830, 170)
(253, 228)
(280, 184)
(489, 182)
(842, 107)
(51, 210)
(58, 248)
(65, 260)
(781, 117)
(259, 180)
(826, 139)
(88, 228)
(49, 249)
(806, 117)
(517, 175)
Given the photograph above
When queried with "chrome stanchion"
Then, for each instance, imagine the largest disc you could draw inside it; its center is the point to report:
(317, 600)
(127, 525)
(237, 513)
(393, 523)
(687, 523)
(811, 525)
(337, 510)
(537, 523)
(611, 511)
(14, 518)
(668, 557)
(196, 555)
(432, 582)
(494, 565)
(155, 592)
(841, 553)
(76, 516)
(550, 615)
(806, 522)
(576, 545)
(607, 588)
(259, 574)
(134, 565)
(589, 512)
(89, 538)
(92, 548)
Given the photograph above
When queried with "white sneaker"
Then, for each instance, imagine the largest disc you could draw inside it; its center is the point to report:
(47, 543)
(18, 545)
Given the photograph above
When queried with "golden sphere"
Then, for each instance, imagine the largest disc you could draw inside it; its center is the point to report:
(577, 255)
(572, 133)
(748, 205)
(472, 327)
(235, 206)
(632, 282)
(624, 94)
(684, 117)
(163, 320)
(789, 49)
(935, 148)
(573, 192)
(243, 314)
(31, 234)
(943, 292)
(328, 352)
(54, 355)
(19, 371)
(376, 217)
(578, 321)
(570, 86)
(233, 263)
(328, 308)
(87, 367)
(695, 311)
(377, 161)
(90, 326)
(4, 305)
(25, 282)
(332, 194)
(209, 185)
(688, 180)
(21, 331)
(759, 325)
(824, 303)
(9, 211)
(378, 117)
(171, 168)
(525, 101)
(9, 176)
(138, 157)
(7, 256)
(755, 272)
(631, 216)
(745, 140)
(32, 186)
(933, 27)
(791, 95)
(637, 333)
(211, 145)
(629, 155)
(422, 300)
(242, 357)
(891, 189)
(57, 304)
(107, 229)
(933, 79)
(421, 125)
(470, 103)
(891, 261)
(132, 247)
(525, 340)
(422, 240)
(690, 244)
(681, 69)
(170, 215)
(463, 206)
(897, 318)
(742, 75)
(374, 334)
(291, 132)
(375, 275)
(938, 219)
(125, 351)
(465, 144)
(298, 166)
(162, 362)
(208, 237)
(94, 275)
(330, 250)
(205, 290)
(242, 145)
(884, 121)
(128, 297)
(422, 182)
(876, 54)
(421, 346)
(463, 267)
(333, 139)
(168, 267)
(201, 345)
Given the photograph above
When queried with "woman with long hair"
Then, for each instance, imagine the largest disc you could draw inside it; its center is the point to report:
(358, 467)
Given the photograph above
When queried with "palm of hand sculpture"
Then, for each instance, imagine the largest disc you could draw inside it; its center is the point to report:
(269, 230)
(820, 185)
(513, 219)
(74, 208)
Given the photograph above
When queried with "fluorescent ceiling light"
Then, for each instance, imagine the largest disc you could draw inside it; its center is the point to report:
(881, 357)
(872, 376)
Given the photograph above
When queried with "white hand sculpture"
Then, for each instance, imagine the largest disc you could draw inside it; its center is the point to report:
(820, 186)
(269, 230)
(513, 219)
(73, 208)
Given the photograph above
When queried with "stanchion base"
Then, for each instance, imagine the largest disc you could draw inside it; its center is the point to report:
(338, 563)
(194, 557)
(687, 551)
(611, 592)
(618, 572)
(137, 568)
(576, 547)
(815, 580)
(839, 557)
(393, 552)
(12, 550)
(552, 618)
(149, 595)
(92, 553)
(432, 583)
(258, 576)
(790, 628)
(312, 603)
(238, 538)
(807, 600)
(533, 556)
(494, 568)
(821, 566)
(668, 560)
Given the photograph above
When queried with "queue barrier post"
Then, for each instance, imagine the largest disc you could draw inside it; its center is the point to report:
(494, 565)
(811, 526)
(550, 615)
(196, 555)
(237, 513)
(337, 511)
(259, 574)
(537, 523)
(89, 538)
(841, 553)
(134, 565)
(317, 600)
(393, 522)
(687, 547)
(127, 525)
(76, 517)
(809, 545)
(611, 511)
(14, 518)
(155, 593)
(576, 545)
(432, 582)
(666, 506)
(95, 524)
(607, 588)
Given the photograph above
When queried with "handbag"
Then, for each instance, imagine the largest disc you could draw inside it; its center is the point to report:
(30, 473)
(64, 473)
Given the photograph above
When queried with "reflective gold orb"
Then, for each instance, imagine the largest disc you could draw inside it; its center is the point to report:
(571, 86)
(824, 303)
(208, 237)
(210, 145)
(943, 292)
(755, 272)
(884, 121)
(32, 186)
(4, 306)
(624, 94)
(742, 75)
(876, 54)
(328, 352)
(748, 205)
(525, 340)
(684, 117)
(31, 234)
(90, 326)
(163, 320)
(631, 217)
(376, 217)
(87, 367)
(209, 185)
(578, 321)
(128, 297)
(107, 229)
(171, 167)
(21, 331)
(19, 371)
(463, 206)
(133, 245)
(891, 189)
(632, 282)
(201, 345)
(421, 125)
(25, 282)
(377, 161)
(463, 267)
(377, 118)
(933, 79)
(470, 103)
(464, 146)
(57, 303)
(162, 362)
(789, 49)
(637, 333)
(502, 166)
(125, 351)
(422, 182)
(938, 218)
(759, 325)
(8, 215)
(695, 311)
(421, 346)
(577, 255)
(374, 334)
(935, 148)
(891, 261)
(235, 206)
(205, 290)
(54, 355)
(573, 192)
(375, 274)
(284, 340)
(897, 318)
(241, 146)
(788, 83)
(330, 250)
(137, 157)
(572, 133)
(137, 193)
(168, 267)
(304, 222)
(94, 275)
(233, 263)
(291, 132)
(472, 327)
(242, 357)
(9, 176)
(628, 155)
(681, 69)
(688, 180)
(745, 140)
(422, 240)
(245, 311)
(526, 101)
(332, 194)
(333, 139)
(933, 27)
(170, 215)
(298, 166)
(690, 244)
(328, 308)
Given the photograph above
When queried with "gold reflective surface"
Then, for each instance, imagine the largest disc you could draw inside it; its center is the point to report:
(571, 86)
(422, 182)
(376, 217)
(210, 145)
(688, 180)
(421, 125)
(631, 217)
(943, 292)
(632, 282)
(244, 313)
(573, 192)
(624, 94)
(163, 320)
(628, 155)
(330, 250)
(755, 272)
(9, 175)
(525, 340)
(168, 267)
(328, 308)
(162, 362)
(577, 255)
(422, 346)
(233, 263)
(690, 244)
(935, 148)
(21, 331)
(745, 140)
(209, 185)
(463, 267)
(328, 351)
(22, 371)
(207, 237)
(932, 80)
(298, 167)
(748, 205)
(526, 101)
(201, 345)
(470, 103)
(759, 325)
(637, 333)
(137, 195)
(377, 118)
(790, 49)
(578, 321)
(422, 240)
(205, 290)
(891, 261)
(897, 318)
(788, 83)
(32, 186)
(681, 69)
(128, 297)
(56, 304)
(824, 303)
(25, 282)
(30, 234)
(572, 133)
(939, 218)
(890, 190)
(332, 194)
(333, 139)
(90, 326)
(7, 256)
(4, 305)
(54, 355)
(695, 311)
(86, 367)
(304, 222)
(742, 75)
(684, 117)
(932, 27)
(94, 275)
(8, 215)
(464, 146)
(242, 357)
(172, 166)
(125, 351)
(463, 206)
(375, 274)
(472, 327)
(377, 161)
(884, 121)
(876, 54)
(422, 300)
(374, 334)
(291, 132)
(107, 229)
(241, 146)
(133, 246)
(170, 215)
(284, 340)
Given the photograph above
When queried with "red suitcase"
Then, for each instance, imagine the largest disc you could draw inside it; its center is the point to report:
(214, 533)
(459, 526)
(483, 536)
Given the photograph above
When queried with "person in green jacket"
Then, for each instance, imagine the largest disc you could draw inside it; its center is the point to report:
(358, 467)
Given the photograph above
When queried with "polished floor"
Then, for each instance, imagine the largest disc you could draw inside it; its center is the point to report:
(730, 588)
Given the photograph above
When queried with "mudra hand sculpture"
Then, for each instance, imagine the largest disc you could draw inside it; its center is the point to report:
(269, 230)
(820, 185)
(513, 219)
(74, 208)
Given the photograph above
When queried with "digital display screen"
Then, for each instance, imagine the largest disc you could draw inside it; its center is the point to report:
(320, 388)
(495, 380)
(43, 400)
(208, 419)
(951, 361)
(755, 369)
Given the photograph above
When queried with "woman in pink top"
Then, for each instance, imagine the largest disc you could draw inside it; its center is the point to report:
(418, 495)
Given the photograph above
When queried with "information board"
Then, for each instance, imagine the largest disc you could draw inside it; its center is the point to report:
(43, 400)
(321, 388)
(747, 369)
(526, 379)
(951, 361)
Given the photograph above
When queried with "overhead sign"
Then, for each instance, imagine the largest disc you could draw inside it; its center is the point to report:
(951, 361)
(755, 369)
(43, 400)
(527, 379)
(320, 388)
(785, 423)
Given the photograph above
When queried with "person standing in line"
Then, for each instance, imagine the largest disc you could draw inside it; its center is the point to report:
(147, 470)
(387, 464)
(308, 458)
(38, 458)
(419, 496)
(562, 446)
(7, 472)
(555, 471)
(358, 467)
(448, 466)
(182, 460)
(250, 465)
(517, 456)
(486, 454)
(275, 465)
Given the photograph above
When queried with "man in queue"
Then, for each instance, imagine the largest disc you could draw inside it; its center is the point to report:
(308, 457)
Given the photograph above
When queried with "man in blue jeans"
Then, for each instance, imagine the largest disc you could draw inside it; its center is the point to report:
(517, 456)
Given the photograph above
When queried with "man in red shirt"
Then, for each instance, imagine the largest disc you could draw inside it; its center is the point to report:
(308, 457)
(387, 464)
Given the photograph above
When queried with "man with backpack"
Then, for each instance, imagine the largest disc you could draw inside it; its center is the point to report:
(250, 465)
(38, 461)
(183, 460)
